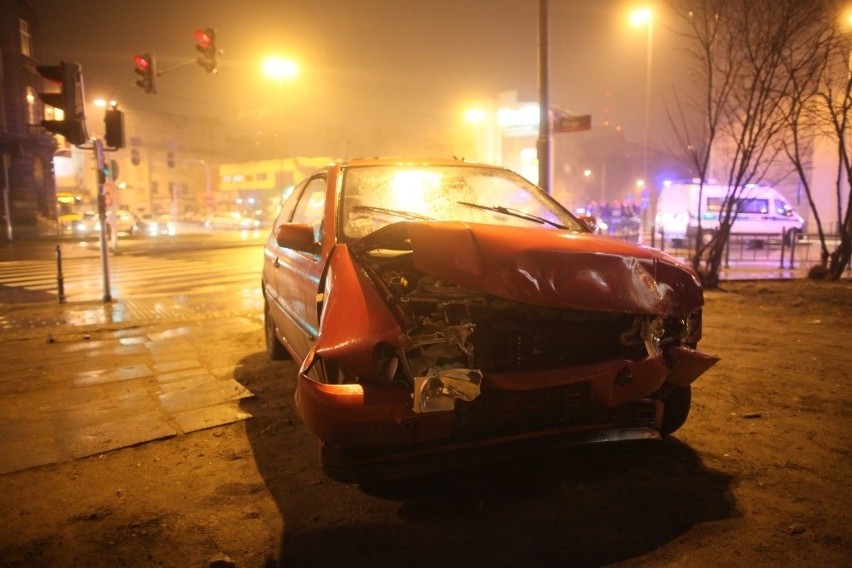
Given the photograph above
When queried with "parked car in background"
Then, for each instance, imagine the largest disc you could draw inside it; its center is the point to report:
(121, 221)
(760, 210)
(151, 225)
(444, 312)
(87, 225)
(230, 220)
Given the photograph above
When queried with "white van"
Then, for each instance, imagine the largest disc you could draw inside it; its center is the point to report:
(761, 211)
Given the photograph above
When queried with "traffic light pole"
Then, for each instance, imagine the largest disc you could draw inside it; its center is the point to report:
(543, 142)
(6, 211)
(99, 157)
(71, 101)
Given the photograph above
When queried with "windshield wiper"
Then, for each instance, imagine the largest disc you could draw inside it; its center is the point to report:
(394, 212)
(515, 213)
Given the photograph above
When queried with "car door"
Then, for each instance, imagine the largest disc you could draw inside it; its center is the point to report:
(753, 217)
(272, 254)
(298, 273)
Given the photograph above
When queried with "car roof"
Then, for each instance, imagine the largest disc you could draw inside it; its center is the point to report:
(411, 161)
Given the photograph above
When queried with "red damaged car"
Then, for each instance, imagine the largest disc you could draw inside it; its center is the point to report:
(445, 313)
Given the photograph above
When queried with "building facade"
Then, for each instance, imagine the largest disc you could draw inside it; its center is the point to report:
(26, 149)
(168, 166)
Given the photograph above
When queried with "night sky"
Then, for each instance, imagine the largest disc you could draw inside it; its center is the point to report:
(401, 65)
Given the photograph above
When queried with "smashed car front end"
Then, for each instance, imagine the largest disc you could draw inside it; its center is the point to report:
(472, 342)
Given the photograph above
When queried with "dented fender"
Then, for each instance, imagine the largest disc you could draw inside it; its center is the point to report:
(362, 319)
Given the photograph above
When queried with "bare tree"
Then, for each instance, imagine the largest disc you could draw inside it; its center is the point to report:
(835, 94)
(819, 105)
(745, 84)
(807, 120)
(712, 88)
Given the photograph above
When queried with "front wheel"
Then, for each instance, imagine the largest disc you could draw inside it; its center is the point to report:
(274, 349)
(676, 403)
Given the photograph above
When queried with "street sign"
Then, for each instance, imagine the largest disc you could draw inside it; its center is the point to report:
(571, 123)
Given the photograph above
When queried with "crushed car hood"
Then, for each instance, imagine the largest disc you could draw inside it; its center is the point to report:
(560, 269)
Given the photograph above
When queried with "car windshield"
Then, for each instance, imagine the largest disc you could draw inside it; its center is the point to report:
(375, 196)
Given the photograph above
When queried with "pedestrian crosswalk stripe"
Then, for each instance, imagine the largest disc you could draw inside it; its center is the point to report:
(129, 275)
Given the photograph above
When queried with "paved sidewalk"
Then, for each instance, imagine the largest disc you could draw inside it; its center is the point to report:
(81, 379)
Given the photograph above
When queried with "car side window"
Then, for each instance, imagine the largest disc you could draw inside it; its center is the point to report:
(754, 206)
(289, 205)
(311, 206)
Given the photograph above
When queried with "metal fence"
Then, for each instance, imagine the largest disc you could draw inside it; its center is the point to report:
(774, 255)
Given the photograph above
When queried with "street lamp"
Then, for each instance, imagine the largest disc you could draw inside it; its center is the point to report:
(475, 115)
(280, 69)
(847, 24)
(103, 103)
(645, 17)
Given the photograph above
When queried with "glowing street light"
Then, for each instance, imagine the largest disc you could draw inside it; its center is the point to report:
(281, 69)
(638, 18)
(641, 16)
(846, 23)
(475, 115)
(103, 103)
(483, 121)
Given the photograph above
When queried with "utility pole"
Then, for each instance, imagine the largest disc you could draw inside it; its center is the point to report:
(543, 146)
(6, 209)
(102, 205)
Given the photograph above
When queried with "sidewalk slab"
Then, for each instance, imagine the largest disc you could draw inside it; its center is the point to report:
(77, 381)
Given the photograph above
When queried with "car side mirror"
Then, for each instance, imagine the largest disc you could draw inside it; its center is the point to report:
(296, 236)
(591, 222)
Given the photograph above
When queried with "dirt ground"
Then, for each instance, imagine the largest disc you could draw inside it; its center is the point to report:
(758, 476)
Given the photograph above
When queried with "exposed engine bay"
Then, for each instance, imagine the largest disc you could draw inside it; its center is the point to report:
(454, 336)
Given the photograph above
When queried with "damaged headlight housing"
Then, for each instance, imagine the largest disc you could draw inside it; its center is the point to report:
(655, 332)
(652, 334)
(440, 388)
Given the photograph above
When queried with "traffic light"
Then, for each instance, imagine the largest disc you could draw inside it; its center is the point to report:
(114, 128)
(146, 68)
(69, 100)
(206, 39)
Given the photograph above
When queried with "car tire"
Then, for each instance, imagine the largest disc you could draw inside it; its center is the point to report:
(676, 403)
(274, 349)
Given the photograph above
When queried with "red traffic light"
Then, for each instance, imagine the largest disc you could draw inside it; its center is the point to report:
(142, 62)
(146, 68)
(204, 37)
(206, 45)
